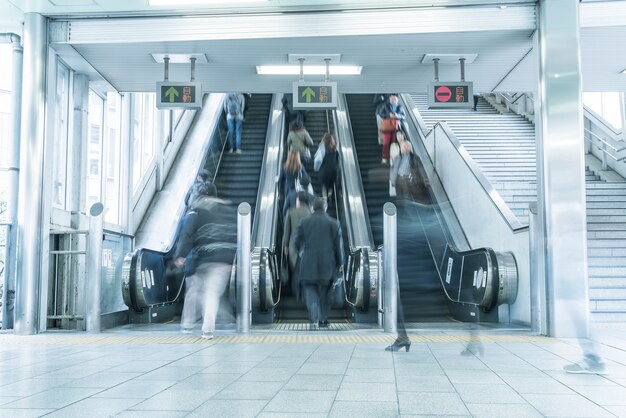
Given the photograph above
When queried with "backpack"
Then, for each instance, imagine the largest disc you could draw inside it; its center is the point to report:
(232, 105)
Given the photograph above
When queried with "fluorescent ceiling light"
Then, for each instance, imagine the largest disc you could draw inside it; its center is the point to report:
(200, 2)
(308, 69)
(623, 71)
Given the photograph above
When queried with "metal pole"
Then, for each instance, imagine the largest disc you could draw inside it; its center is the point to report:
(436, 62)
(301, 60)
(13, 154)
(327, 60)
(166, 68)
(94, 269)
(30, 225)
(390, 261)
(193, 68)
(244, 296)
(462, 61)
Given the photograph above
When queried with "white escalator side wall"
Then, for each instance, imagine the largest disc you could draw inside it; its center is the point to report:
(483, 213)
(157, 213)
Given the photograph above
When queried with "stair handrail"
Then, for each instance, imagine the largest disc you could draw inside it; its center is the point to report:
(600, 137)
(443, 131)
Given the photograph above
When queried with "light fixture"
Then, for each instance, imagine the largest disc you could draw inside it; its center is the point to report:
(308, 69)
(199, 2)
(623, 71)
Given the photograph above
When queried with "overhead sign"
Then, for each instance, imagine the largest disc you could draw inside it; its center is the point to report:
(450, 94)
(179, 95)
(314, 95)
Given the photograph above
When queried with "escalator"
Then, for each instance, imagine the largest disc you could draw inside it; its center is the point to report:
(417, 273)
(149, 282)
(435, 280)
(317, 123)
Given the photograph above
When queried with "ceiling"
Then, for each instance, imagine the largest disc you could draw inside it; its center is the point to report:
(237, 39)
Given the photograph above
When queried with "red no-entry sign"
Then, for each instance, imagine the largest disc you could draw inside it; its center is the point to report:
(443, 94)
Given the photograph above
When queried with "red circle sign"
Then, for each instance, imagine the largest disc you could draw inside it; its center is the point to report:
(443, 94)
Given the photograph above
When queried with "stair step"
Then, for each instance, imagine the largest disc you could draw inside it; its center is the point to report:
(606, 317)
(617, 293)
(606, 252)
(608, 305)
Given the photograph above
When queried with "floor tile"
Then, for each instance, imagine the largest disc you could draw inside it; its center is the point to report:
(488, 394)
(361, 409)
(95, 407)
(53, 398)
(501, 410)
(385, 392)
(175, 400)
(228, 409)
(565, 406)
(249, 390)
(314, 382)
(423, 403)
(136, 389)
(301, 401)
(424, 384)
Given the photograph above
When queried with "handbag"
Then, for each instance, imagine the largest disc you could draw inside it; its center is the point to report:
(389, 125)
(319, 156)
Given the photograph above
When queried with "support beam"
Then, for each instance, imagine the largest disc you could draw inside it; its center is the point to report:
(30, 225)
(561, 168)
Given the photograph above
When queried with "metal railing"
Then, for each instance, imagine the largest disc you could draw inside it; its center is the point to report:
(5, 230)
(65, 304)
(515, 104)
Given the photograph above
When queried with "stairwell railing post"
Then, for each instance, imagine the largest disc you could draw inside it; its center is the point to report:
(390, 268)
(244, 296)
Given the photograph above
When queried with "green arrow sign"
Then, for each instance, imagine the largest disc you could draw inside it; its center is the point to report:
(308, 93)
(180, 95)
(172, 93)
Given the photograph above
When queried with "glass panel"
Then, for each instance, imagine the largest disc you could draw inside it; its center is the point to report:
(137, 100)
(6, 69)
(607, 105)
(143, 119)
(113, 157)
(59, 159)
(94, 149)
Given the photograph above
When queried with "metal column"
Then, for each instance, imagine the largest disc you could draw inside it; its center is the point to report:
(13, 181)
(244, 296)
(30, 225)
(561, 168)
(94, 269)
(390, 267)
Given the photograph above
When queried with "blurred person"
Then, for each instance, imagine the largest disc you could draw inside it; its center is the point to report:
(206, 249)
(203, 177)
(328, 168)
(234, 108)
(299, 140)
(392, 115)
(408, 175)
(299, 211)
(318, 238)
(592, 362)
(291, 175)
(308, 197)
(379, 101)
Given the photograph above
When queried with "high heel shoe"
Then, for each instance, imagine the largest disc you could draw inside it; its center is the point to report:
(398, 344)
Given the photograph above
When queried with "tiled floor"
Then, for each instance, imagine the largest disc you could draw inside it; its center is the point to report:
(153, 371)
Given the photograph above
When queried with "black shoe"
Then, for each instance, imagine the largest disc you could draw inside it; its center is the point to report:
(324, 324)
(398, 344)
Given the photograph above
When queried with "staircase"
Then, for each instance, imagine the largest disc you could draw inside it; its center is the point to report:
(503, 146)
(606, 247)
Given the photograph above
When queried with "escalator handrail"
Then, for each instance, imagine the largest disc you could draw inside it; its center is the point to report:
(267, 210)
(357, 217)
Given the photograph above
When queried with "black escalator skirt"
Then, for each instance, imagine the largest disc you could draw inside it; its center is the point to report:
(151, 282)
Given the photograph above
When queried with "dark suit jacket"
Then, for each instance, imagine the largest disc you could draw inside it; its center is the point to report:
(319, 238)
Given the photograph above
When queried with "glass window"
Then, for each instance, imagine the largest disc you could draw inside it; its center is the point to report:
(607, 105)
(143, 123)
(59, 160)
(6, 122)
(113, 156)
(94, 149)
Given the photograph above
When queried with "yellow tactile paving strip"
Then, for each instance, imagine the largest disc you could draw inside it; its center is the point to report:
(103, 339)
